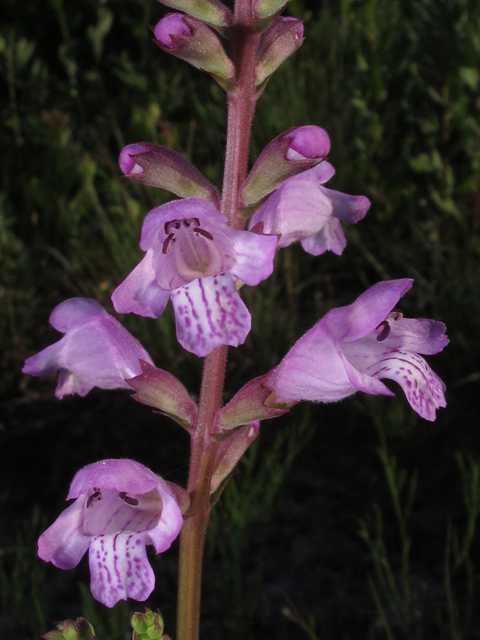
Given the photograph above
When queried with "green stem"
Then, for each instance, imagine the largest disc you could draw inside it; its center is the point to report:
(241, 105)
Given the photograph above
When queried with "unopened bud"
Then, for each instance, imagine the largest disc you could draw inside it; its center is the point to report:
(162, 390)
(158, 166)
(147, 626)
(212, 11)
(278, 42)
(190, 39)
(81, 629)
(291, 153)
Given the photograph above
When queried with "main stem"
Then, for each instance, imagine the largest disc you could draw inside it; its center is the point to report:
(241, 105)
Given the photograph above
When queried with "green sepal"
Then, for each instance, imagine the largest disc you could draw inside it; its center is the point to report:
(81, 629)
(213, 12)
(163, 391)
(268, 8)
(147, 626)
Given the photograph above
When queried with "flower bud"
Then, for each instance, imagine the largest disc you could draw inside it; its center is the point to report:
(162, 390)
(147, 626)
(267, 8)
(282, 39)
(212, 11)
(191, 40)
(229, 453)
(160, 167)
(247, 406)
(81, 629)
(291, 153)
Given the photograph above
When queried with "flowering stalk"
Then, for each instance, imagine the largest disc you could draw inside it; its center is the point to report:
(198, 255)
(241, 105)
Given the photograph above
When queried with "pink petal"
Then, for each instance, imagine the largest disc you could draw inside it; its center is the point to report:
(320, 174)
(360, 318)
(209, 313)
(119, 568)
(363, 381)
(294, 211)
(103, 354)
(170, 522)
(192, 256)
(345, 207)
(312, 370)
(302, 208)
(308, 142)
(139, 293)
(423, 388)
(45, 362)
(75, 312)
(95, 352)
(121, 475)
(254, 256)
(176, 210)
(419, 335)
(109, 513)
(127, 163)
(330, 238)
(172, 24)
(63, 543)
(70, 384)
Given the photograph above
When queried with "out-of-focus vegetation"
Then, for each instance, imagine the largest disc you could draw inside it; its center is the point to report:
(370, 531)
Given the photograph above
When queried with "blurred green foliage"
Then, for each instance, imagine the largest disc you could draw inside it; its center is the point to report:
(396, 84)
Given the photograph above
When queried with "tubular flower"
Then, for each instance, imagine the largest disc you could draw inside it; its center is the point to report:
(192, 257)
(302, 209)
(120, 507)
(96, 351)
(353, 347)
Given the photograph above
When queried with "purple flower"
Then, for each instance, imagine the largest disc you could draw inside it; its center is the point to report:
(352, 347)
(120, 507)
(96, 351)
(302, 209)
(193, 257)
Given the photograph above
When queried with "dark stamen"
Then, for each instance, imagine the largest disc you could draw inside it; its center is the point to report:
(396, 314)
(187, 222)
(173, 223)
(97, 494)
(203, 233)
(196, 221)
(133, 502)
(384, 332)
(122, 495)
(167, 244)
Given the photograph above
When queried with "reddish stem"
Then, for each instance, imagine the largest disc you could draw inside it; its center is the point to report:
(241, 105)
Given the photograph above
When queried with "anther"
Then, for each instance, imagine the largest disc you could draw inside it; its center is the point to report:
(173, 223)
(201, 232)
(167, 243)
(384, 333)
(96, 495)
(395, 314)
(133, 502)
